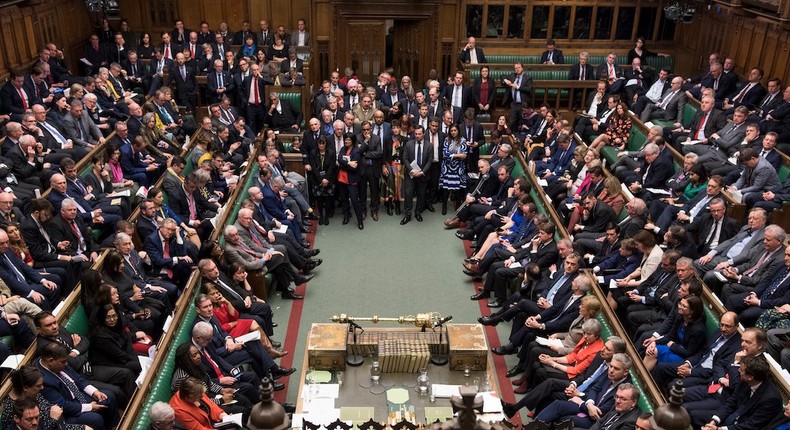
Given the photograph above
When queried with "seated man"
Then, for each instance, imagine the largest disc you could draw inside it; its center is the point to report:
(599, 398)
(749, 236)
(492, 193)
(80, 128)
(77, 187)
(82, 403)
(274, 202)
(689, 211)
(24, 281)
(266, 221)
(758, 176)
(67, 227)
(134, 269)
(192, 207)
(651, 301)
(168, 254)
(95, 218)
(597, 215)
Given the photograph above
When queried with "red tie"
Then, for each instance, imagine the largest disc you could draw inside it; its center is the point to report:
(191, 201)
(701, 127)
(22, 96)
(213, 364)
(255, 89)
(192, 50)
(254, 238)
(166, 247)
(167, 51)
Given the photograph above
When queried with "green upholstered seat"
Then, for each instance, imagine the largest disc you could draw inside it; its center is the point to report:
(78, 322)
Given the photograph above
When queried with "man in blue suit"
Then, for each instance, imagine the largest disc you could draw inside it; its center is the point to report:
(599, 397)
(559, 161)
(92, 217)
(82, 403)
(169, 258)
(274, 204)
(23, 280)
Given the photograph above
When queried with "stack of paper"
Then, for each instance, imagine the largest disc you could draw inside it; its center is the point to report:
(445, 391)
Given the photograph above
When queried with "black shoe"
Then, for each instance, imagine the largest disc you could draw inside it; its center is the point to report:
(346, 219)
(279, 372)
(397, 208)
(504, 350)
(276, 344)
(389, 208)
(496, 303)
(471, 273)
(291, 296)
(519, 369)
(289, 408)
(406, 219)
(306, 223)
(361, 226)
(508, 409)
(430, 208)
(299, 280)
(305, 244)
(315, 262)
(311, 215)
(278, 386)
(274, 324)
(304, 229)
(481, 295)
(418, 217)
(492, 321)
(313, 252)
(321, 221)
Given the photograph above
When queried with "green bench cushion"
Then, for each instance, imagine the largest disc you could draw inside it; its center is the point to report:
(78, 322)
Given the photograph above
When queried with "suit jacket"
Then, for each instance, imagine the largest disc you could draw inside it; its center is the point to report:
(184, 85)
(155, 249)
(751, 98)
(525, 88)
(557, 57)
(56, 198)
(60, 230)
(626, 421)
(558, 318)
(17, 286)
(476, 133)
(236, 254)
(603, 396)
(288, 117)
(465, 56)
(12, 102)
(232, 291)
(761, 178)
(41, 249)
(675, 106)
(746, 411)
(36, 93)
(602, 71)
(410, 154)
(293, 38)
(701, 227)
(721, 359)
(601, 215)
(716, 121)
(574, 73)
(747, 260)
(775, 101)
(88, 134)
(755, 241)
(658, 173)
(58, 393)
(246, 87)
(730, 137)
(64, 336)
(476, 85)
(212, 84)
(273, 203)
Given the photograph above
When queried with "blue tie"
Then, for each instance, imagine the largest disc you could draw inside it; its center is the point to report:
(591, 380)
(556, 287)
(775, 285)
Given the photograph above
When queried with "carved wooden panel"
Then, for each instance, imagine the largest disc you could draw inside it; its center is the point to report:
(361, 44)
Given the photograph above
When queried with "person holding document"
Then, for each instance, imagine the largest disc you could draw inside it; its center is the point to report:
(349, 158)
(417, 160)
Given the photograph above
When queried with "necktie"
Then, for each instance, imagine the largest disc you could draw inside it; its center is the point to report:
(212, 363)
(581, 75)
(183, 73)
(230, 290)
(134, 69)
(81, 247)
(712, 234)
(79, 127)
(666, 100)
(760, 262)
(13, 268)
(775, 285)
(591, 380)
(22, 96)
(254, 237)
(80, 186)
(219, 80)
(76, 393)
(54, 132)
(167, 52)
(612, 75)
(255, 89)
(716, 85)
(707, 359)
(701, 129)
(419, 152)
(192, 208)
(516, 93)
(166, 254)
(767, 100)
(165, 115)
(130, 264)
(556, 287)
(743, 92)
(610, 422)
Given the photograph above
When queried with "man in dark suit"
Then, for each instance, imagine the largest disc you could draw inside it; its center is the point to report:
(283, 115)
(54, 138)
(193, 209)
(24, 156)
(68, 227)
(134, 268)
(626, 413)
(220, 46)
(219, 82)
(293, 63)
(240, 36)
(373, 149)
(711, 228)
(551, 55)
(611, 72)
(654, 173)
(96, 55)
(458, 96)
(36, 87)
(772, 292)
(417, 160)
(96, 218)
(471, 54)
(749, 236)
(753, 403)
(599, 215)
(669, 107)
(771, 100)
(518, 91)
(137, 73)
(159, 67)
(708, 121)
(186, 84)
(559, 161)
(588, 126)
(65, 387)
(750, 94)
(118, 380)
(169, 258)
(581, 71)
(179, 37)
(253, 97)
(472, 131)
(709, 367)
(638, 79)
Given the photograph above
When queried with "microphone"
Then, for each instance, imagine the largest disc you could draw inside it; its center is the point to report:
(443, 320)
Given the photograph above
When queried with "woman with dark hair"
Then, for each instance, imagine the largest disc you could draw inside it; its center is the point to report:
(395, 113)
(90, 283)
(617, 132)
(501, 126)
(154, 136)
(111, 341)
(155, 306)
(59, 109)
(322, 177)
(278, 51)
(686, 338)
(698, 182)
(348, 177)
(393, 174)
(26, 383)
(483, 90)
(194, 409)
(164, 211)
(108, 295)
(452, 177)
(230, 395)
(248, 49)
(211, 249)
(145, 50)
(639, 51)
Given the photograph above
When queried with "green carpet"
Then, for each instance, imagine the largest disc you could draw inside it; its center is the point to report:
(387, 270)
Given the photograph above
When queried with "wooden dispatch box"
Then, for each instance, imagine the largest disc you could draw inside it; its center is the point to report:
(326, 346)
(468, 347)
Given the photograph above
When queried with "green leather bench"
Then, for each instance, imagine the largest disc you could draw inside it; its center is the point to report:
(160, 385)
(295, 98)
(689, 112)
(513, 58)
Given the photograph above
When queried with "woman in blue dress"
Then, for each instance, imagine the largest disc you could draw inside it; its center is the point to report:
(685, 340)
(453, 173)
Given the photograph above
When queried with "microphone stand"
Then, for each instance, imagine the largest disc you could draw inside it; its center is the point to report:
(355, 359)
(440, 359)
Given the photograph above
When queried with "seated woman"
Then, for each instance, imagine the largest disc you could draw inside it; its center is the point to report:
(617, 132)
(108, 294)
(155, 138)
(651, 258)
(501, 126)
(512, 231)
(111, 341)
(570, 365)
(163, 210)
(229, 319)
(698, 182)
(611, 195)
(26, 382)
(155, 306)
(230, 395)
(685, 340)
(194, 410)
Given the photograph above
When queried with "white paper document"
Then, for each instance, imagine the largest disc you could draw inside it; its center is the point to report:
(548, 342)
(627, 192)
(253, 335)
(737, 196)
(445, 391)
(13, 361)
(320, 405)
(613, 284)
(321, 391)
(233, 418)
(491, 403)
(658, 191)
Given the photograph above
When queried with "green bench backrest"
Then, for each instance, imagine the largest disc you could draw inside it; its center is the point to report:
(711, 323)
(689, 112)
(295, 98)
(78, 322)
(784, 173)
(160, 391)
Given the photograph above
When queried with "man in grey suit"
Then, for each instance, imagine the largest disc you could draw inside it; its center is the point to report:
(749, 268)
(79, 127)
(300, 37)
(748, 237)
(724, 143)
(757, 177)
(417, 159)
(670, 107)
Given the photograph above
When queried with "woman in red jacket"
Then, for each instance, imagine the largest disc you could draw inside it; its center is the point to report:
(194, 410)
